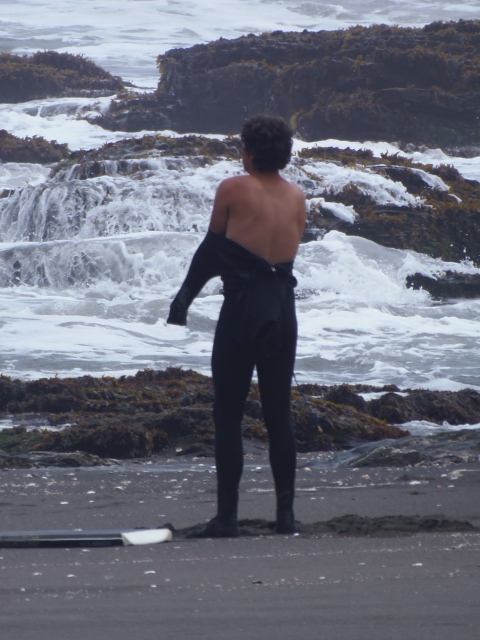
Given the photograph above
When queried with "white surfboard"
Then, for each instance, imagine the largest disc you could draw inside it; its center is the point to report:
(82, 538)
(146, 536)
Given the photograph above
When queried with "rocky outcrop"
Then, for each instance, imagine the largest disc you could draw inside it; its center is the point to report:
(453, 407)
(444, 221)
(459, 447)
(35, 149)
(134, 417)
(449, 285)
(97, 162)
(49, 74)
(171, 410)
(375, 83)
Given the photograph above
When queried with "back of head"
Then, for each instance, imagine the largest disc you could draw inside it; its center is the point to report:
(268, 140)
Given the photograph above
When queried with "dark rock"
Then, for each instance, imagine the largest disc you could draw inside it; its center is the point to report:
(444, 224)
(182, 423)
(447, 447)
(134, 417)
(454, 407)
(35, 149)
(325, 425)
(391, 407)
(49, 74)
(448, 285)
(95, 162)
(374, 83)
(345, 395)
(10, 391)
(137, 416)
(113, 439)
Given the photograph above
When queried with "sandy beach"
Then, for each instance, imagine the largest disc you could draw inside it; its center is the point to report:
(382, 553)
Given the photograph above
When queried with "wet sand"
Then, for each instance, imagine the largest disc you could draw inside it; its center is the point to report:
(382, 554)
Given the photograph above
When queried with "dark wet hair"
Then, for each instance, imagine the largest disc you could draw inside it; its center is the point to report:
(268, 139)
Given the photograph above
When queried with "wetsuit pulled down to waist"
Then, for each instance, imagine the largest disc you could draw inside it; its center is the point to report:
(261, 292)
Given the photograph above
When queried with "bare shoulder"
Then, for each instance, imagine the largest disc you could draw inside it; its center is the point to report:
(295, 190)
(228, 193)
(298, 198)
(297, 195)
(235, 182)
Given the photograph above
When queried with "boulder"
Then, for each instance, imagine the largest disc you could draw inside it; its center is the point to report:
(449, 285)
(454, 407)
(459, 447)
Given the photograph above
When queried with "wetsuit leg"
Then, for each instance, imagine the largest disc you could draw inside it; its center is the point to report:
(274, 378)
(232, 369)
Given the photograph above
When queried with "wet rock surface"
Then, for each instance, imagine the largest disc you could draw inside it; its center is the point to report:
(49, 74)
(171, 411)
(443, 222)
(397, 407)
(35, 149)
(375, 83)
(134, 417)
(460, 447)
(131, 155)
(450, 285)
(453, 407)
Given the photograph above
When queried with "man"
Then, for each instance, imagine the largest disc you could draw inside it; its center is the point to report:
(255, 230)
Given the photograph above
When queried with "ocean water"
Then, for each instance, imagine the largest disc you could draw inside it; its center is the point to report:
(88, 267)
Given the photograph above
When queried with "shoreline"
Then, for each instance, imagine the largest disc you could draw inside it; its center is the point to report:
(384, 580)
(181, 492)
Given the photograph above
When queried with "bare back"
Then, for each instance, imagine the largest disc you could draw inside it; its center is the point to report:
(263, 212)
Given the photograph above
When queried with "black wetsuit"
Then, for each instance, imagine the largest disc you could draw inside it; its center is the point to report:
(257, 327)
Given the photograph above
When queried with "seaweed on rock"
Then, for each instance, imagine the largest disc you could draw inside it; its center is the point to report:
(137, 416)
(30, 149)
(379, 83)
(155, 411)
(48, 74)
(444, 222)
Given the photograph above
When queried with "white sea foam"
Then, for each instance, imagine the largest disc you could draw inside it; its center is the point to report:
(357, 320)
(56, 119)
(381, 189)
(96, 262)
(468, 167)
(424, 428)
(339, 210)
(19, 174)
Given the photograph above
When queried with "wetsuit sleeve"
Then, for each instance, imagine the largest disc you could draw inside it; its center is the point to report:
(206, 264)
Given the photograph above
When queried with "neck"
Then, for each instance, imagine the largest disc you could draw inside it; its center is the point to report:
(263, 174)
